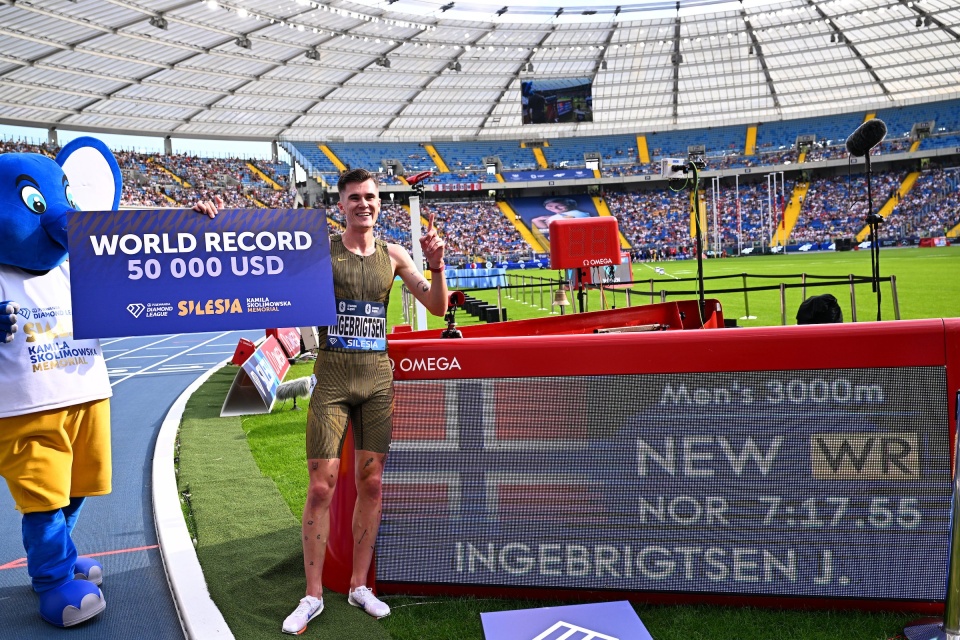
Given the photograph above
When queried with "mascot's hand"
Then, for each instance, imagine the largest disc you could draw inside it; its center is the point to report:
(8, 320)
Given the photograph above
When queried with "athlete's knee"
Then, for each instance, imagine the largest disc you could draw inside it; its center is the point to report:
(319, 495)
(370, 486)
(320, 489)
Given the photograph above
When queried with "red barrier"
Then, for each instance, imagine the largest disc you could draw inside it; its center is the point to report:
(669, 316)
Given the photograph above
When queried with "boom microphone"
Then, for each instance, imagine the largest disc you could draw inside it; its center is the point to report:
(297, 388)
(866, 137)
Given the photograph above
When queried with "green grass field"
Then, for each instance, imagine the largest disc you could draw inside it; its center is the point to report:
(247, 476)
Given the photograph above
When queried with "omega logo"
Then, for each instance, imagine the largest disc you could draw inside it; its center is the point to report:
(426, 364)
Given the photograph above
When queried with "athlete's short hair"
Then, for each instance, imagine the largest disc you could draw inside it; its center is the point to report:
(355, 175)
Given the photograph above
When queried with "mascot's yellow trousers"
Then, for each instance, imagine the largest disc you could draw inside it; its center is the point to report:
(37, 453)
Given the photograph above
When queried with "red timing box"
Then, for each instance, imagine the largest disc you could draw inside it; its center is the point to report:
(581, 243)
(245, 349)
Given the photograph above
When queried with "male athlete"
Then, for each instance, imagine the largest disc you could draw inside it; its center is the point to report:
(355, 382)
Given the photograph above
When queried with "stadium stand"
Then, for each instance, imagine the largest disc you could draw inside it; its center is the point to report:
(654, 221)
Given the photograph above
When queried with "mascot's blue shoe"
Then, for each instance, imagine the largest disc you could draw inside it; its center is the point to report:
(72, 603)
(88, 569)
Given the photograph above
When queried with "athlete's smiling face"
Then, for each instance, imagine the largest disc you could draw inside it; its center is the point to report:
(360, 204)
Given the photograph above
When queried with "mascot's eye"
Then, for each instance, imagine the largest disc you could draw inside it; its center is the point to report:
(33, 199)
(69, 195)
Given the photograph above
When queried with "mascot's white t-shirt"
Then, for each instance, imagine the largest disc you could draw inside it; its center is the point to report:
(44, 367)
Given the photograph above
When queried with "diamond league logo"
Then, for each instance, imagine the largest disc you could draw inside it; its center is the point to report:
(24, 312)
(135, 309)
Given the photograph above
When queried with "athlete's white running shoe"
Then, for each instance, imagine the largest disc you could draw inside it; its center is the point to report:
(363, 597)
(308, 609)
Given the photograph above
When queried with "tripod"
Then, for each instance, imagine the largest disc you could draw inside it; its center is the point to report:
(873, 222)
(455, 300)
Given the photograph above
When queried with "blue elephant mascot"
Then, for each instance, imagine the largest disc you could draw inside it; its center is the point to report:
(55, 407)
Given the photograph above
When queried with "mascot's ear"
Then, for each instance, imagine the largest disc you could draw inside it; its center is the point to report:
(93, 172)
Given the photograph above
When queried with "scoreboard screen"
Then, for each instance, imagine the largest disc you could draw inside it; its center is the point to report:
(831, 483)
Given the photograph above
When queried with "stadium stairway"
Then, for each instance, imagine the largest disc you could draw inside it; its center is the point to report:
(890, 204)
(180, 181)
(604, 210)
(521, 228)
(423, 220)
(260, 174)
(791, 215)
(642, 152)
(750, 147)
(332, 157)
(541, 159)
(437, 160)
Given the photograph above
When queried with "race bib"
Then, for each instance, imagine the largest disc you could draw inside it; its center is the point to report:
(360, 326)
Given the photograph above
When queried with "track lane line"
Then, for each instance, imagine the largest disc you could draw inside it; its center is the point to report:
(177, 335)
(22, 562)
(177, 355)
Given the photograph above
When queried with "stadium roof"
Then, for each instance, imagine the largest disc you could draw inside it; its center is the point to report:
(429, 69)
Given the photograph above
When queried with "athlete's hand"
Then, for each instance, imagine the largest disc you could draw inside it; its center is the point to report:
(432, 245)
(208, 208)
(8, 320)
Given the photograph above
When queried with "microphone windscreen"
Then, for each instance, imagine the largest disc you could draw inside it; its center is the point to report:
(867, 136)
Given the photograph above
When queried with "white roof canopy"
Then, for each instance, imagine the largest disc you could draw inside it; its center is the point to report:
(428, 69)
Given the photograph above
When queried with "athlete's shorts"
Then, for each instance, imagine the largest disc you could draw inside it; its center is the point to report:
(48, 457)
(354, 386)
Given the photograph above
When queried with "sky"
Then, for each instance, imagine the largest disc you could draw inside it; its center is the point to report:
(151, 144)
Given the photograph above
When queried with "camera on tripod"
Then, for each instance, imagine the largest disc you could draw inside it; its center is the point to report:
(678, 169)
(456, 299)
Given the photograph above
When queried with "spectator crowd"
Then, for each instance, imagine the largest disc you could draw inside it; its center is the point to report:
(656, 222)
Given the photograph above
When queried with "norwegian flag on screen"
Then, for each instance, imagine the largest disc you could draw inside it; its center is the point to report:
(488, 450)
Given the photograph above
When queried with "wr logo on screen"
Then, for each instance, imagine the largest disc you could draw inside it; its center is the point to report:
(864, 456)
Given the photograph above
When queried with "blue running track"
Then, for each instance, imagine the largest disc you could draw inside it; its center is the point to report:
(147, 373)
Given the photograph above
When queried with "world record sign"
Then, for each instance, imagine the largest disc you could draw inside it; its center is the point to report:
(830, 483)
(150, 272)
